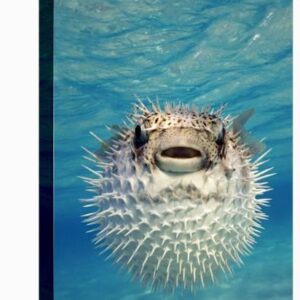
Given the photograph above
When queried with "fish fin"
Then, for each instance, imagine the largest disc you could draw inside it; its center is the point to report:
(240, 121)
(105, 145)
(255, 146)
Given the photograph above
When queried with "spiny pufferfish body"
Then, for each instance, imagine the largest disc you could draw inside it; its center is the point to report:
(177, 196)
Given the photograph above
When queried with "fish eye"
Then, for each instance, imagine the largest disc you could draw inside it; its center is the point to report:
(138, 131)
(140, 137)
(220, 137)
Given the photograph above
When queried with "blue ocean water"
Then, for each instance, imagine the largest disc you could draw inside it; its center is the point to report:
(201, 52)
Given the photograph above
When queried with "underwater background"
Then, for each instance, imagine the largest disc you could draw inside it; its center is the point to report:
(237, 53)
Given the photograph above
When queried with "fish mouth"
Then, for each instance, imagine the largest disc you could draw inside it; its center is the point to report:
(181, 152)
(179, 159)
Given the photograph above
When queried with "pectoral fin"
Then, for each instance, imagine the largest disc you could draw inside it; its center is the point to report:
(255, 146)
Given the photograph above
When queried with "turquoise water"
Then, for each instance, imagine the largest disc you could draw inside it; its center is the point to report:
(201, 52)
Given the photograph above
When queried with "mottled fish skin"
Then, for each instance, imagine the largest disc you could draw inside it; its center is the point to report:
(177, 195)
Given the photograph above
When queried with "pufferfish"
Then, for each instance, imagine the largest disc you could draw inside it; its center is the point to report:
(178, 195)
